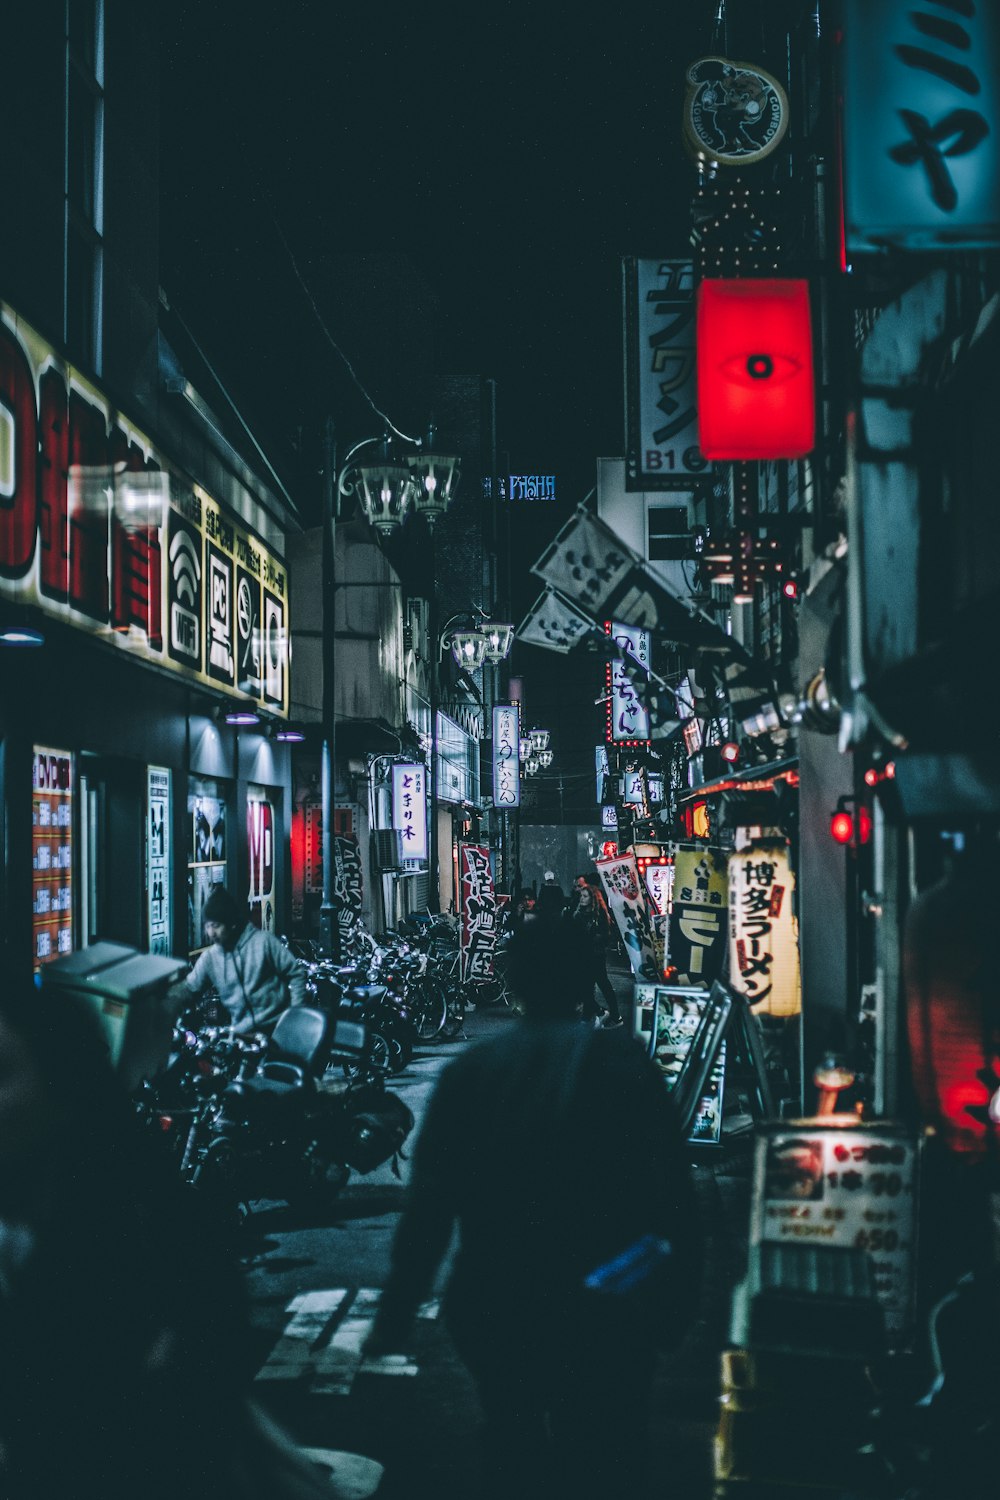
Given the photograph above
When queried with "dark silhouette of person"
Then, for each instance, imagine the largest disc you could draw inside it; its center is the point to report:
(125, 1342)
(590, 927)
(551, 901)
(121, 1314)
(553, 1148)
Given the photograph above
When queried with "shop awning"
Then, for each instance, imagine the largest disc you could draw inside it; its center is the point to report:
(751, 779)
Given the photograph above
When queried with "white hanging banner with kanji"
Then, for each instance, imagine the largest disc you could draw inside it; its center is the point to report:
(763, 930)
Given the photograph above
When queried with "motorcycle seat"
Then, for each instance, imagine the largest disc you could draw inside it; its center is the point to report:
(366, 994)
(276, 1090)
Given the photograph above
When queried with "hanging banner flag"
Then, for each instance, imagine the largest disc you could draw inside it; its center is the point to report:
(697, 935)
(763, 930)
(506, 764)
(590, 564)
(409, 807)
(755, 369)
(661, 419)
(555, 623)
(478, 912)
(627, 900)
(628, 720)
(921, 125)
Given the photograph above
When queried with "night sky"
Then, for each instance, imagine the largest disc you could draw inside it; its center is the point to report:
(511, 154)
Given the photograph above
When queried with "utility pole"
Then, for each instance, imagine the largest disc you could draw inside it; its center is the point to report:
(329, 926)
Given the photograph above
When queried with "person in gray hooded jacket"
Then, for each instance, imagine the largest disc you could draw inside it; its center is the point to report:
(256, 976)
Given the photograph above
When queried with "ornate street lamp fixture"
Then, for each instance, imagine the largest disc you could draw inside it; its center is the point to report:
(545, 759)
(523, 749)
(469, 647)
(531, 764)
(385, 489)
(499, 639)
(435, 479)
(539, 740)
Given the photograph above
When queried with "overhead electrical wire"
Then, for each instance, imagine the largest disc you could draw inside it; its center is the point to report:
(390, 425)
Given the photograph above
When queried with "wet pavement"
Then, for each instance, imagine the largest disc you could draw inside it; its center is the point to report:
(313, 1284)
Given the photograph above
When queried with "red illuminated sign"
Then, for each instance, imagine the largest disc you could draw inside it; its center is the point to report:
(755, 369)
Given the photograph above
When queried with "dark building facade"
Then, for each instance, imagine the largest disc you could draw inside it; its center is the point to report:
(143, 589)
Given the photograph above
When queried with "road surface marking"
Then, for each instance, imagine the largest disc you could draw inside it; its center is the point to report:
(324, 1337)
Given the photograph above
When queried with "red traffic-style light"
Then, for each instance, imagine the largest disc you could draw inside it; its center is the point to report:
(790, 588)
(730, 752)
(755, 369)
(851, 828)
(842, 827)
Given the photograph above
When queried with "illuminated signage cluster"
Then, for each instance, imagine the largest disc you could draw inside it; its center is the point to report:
(96, 531)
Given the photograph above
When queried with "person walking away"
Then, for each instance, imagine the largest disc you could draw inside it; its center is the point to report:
(551, 902)
(255, 974)
(589, 926)
(555, 1150)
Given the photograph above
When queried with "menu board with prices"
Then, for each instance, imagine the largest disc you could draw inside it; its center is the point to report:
(665, 1021)
(51, 855)
(848, 1185)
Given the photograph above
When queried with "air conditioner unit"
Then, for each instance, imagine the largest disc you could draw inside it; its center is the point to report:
(388, 848)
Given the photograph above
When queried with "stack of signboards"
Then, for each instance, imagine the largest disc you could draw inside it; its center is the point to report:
(699, 1039)
(829, 1293)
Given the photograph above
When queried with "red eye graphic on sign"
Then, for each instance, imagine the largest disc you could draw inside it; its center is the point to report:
(755, 369)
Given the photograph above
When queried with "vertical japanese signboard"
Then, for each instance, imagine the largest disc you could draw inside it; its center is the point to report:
(661, 439)
(601, 768)
(659, 885)
(763, 931)
(51, 855)
(845, 1186)
(628, 718)
(627, 900)
(261, 857)
(921, 124)
(478, 912)
(409, 807)
(506, 763)
(697, 932)
(158, 859)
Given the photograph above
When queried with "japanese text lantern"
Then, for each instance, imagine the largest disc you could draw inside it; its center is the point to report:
(755, 369)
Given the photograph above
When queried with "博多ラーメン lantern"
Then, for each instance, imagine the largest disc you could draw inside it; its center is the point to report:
(755, 369)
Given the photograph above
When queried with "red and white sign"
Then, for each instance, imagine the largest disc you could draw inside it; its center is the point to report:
(478, 911)
(51, 855)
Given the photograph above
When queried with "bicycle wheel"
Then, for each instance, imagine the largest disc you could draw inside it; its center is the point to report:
(430, 1009)
(455, 1017)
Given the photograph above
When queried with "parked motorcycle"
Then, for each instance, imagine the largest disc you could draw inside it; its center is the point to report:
(255, 1117)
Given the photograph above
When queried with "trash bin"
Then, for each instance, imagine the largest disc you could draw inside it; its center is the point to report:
(126, 989)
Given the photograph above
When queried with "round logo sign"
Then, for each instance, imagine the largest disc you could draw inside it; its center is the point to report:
(734, 112)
